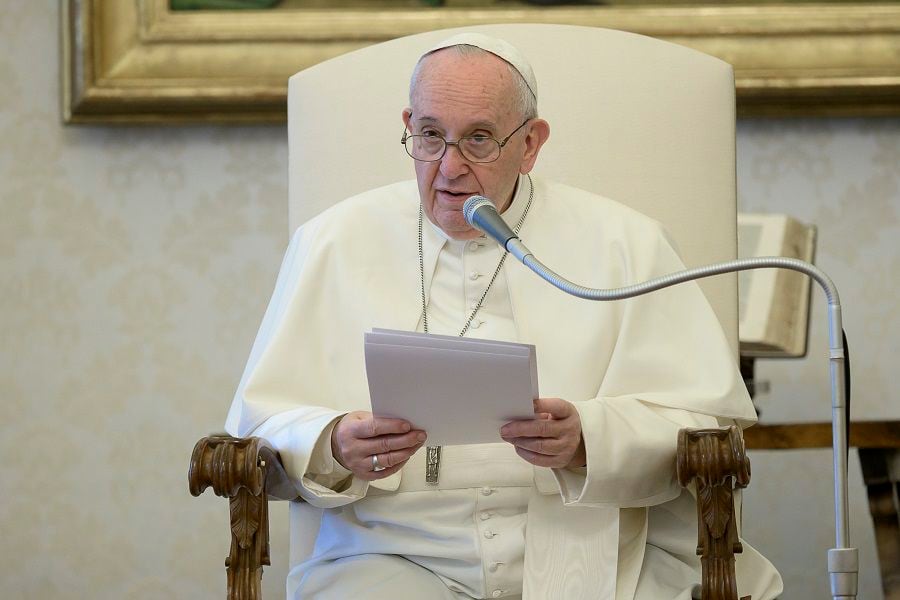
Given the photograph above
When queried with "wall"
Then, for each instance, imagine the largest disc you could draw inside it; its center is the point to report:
(135, 263)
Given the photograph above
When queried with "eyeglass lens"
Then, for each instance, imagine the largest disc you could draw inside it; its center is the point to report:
(432, 147)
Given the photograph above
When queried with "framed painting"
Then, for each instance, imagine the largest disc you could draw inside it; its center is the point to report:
(145, 61)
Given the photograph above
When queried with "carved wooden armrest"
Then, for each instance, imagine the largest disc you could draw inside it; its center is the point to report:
(715, 460)
(242, 470)
(247, 471)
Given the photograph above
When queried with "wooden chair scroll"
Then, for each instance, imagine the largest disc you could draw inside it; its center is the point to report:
(236, 469)
(715, 460)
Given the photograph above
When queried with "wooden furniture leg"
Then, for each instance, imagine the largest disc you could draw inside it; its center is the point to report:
(881, 473)
(236, 469)
(716, 462)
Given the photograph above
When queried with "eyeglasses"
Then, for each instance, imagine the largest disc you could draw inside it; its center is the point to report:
(431, 147)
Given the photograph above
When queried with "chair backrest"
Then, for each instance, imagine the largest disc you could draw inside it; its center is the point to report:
(645, 122)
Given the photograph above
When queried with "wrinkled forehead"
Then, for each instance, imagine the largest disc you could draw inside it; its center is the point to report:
(463, 91)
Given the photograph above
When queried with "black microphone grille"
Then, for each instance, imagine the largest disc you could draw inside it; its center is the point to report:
(473, 204)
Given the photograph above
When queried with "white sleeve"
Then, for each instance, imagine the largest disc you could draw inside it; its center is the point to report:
(267, 410)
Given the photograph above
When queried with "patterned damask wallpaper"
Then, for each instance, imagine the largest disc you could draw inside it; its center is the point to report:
(135, 263)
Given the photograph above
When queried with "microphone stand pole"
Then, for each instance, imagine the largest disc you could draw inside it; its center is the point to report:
(843, 561)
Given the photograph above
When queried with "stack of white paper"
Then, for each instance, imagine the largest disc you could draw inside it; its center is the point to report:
(458, 390)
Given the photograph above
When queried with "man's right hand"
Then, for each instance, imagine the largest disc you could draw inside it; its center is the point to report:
(359, 436)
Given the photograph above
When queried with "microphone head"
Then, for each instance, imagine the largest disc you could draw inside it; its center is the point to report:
(473, 204)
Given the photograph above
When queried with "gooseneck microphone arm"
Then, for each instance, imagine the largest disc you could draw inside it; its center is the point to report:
(843, 561)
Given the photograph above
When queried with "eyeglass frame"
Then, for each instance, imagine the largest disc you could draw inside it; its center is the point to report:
(448, 143)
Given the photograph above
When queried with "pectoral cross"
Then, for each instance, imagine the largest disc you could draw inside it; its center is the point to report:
(432, 464)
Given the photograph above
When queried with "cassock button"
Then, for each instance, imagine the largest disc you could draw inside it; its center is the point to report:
(497, 593)
(476, 324)
(489, 534)
(485, 516)
(486, 491)
(473, 246)
(494, 566)
(474, 275)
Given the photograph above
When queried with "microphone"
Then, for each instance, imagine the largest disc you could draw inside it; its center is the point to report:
(843, 561)
(481, 214)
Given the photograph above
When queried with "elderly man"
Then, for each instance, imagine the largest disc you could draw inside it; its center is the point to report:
(581, 502)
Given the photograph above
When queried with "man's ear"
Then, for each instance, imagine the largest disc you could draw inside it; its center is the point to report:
(538, 134)
(406, 116)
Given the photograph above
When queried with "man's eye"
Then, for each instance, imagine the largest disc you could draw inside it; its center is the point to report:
(479, 139)
(430, 133)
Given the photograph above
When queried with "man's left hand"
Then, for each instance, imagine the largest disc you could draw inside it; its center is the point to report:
(553, 439)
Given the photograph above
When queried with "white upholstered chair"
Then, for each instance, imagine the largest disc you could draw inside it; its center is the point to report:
(648, 123)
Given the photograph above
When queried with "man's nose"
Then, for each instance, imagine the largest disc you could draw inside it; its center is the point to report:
(453, 163)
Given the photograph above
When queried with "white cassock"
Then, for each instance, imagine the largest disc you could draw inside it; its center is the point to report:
(637, 371)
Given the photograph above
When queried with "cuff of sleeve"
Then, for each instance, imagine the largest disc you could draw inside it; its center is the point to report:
(571, 483)
(321, 496)
(326, 482)
(322, 461)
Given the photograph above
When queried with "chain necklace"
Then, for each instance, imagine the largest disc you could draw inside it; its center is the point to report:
(433, 453)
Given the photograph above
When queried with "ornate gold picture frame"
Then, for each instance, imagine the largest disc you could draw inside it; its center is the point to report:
(137, 61)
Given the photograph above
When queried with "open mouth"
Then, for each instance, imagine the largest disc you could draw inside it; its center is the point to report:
(459, 196)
